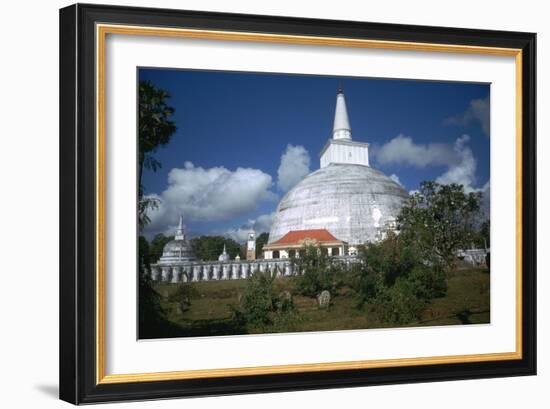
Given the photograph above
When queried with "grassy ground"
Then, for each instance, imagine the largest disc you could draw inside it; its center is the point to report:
(210, 313)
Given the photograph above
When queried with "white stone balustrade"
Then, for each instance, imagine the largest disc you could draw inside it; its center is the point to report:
(234, 270)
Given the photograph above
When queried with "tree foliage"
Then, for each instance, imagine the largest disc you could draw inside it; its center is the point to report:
(401, 273)
(317, 272)
(156, 246)
(183, 296)
(155, 128)
(261, 306)
(144, 254)
(440, 220)
(210, 247)
(261, 241)
(483, 237)
(394, 278)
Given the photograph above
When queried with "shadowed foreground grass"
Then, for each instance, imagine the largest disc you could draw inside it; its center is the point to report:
(210, 313)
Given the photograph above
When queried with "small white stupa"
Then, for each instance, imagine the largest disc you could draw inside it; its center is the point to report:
(224, 256)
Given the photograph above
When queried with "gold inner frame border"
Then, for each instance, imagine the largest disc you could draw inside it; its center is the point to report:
(102, 30)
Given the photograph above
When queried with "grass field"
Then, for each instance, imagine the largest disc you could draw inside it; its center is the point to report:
(210, 312)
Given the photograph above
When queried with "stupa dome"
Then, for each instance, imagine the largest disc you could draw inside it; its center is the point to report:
(353, 202)
(178, 249)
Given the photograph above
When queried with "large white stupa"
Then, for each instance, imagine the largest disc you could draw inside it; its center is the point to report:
(346, 196)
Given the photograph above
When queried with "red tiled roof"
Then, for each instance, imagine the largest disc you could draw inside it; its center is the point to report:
(296, 236)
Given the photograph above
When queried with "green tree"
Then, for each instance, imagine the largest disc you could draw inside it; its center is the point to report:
(155, 126)
(317, 272)
(439, 220)
(144, 254)
(400, 274)
(261, 307)
(483, 238)
(261, 241)
(258, 301)
(210, 247)
(154, 130)
(183, 296)
(156, 246)
(394, 279)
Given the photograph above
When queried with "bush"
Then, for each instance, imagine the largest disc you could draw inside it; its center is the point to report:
(317, 273)
(260, 305)
(428, 282)
(399, 303)
(183, 295)
(394, 278)
(439, 220)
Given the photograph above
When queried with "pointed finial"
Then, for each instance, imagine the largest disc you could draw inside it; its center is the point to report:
(342, 128)
(180, 232)
(340, 88)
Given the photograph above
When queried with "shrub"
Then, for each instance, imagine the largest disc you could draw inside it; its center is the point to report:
(261, 306)
(182, 296)
(428, 282)
(440, 220)
(394, 278)
(258, 301)
(399, 303)
(317, 273)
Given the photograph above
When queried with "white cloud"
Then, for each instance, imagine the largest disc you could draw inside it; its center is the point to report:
(294, 167)
(479, 110)
(213, 194)
(458, 158)
(464, 171)
(259, 225)
(402, 150)
(395, 178)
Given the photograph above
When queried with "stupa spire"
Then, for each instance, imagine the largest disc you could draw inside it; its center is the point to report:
(180, 232)
(341, 128)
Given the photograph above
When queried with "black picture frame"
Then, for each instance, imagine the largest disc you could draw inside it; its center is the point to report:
(78, 258)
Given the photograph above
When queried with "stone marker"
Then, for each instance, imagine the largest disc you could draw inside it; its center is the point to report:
(323, 299)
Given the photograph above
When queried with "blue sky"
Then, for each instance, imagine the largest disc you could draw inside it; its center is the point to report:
(244, 139)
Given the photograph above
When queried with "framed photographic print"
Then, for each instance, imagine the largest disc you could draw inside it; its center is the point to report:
(257, 203)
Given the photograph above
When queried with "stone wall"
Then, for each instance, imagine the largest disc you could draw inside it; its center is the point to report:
(227, 270)
(475, 257)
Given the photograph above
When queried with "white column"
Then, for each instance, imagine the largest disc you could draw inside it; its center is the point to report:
(175, 274)
(244, 270)
(288, 271)
(166, 274)
(225, 271)
(216, 272)
(205, 272)
(196, 273)
(235, 271)
(156, 274)
(279, 267)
